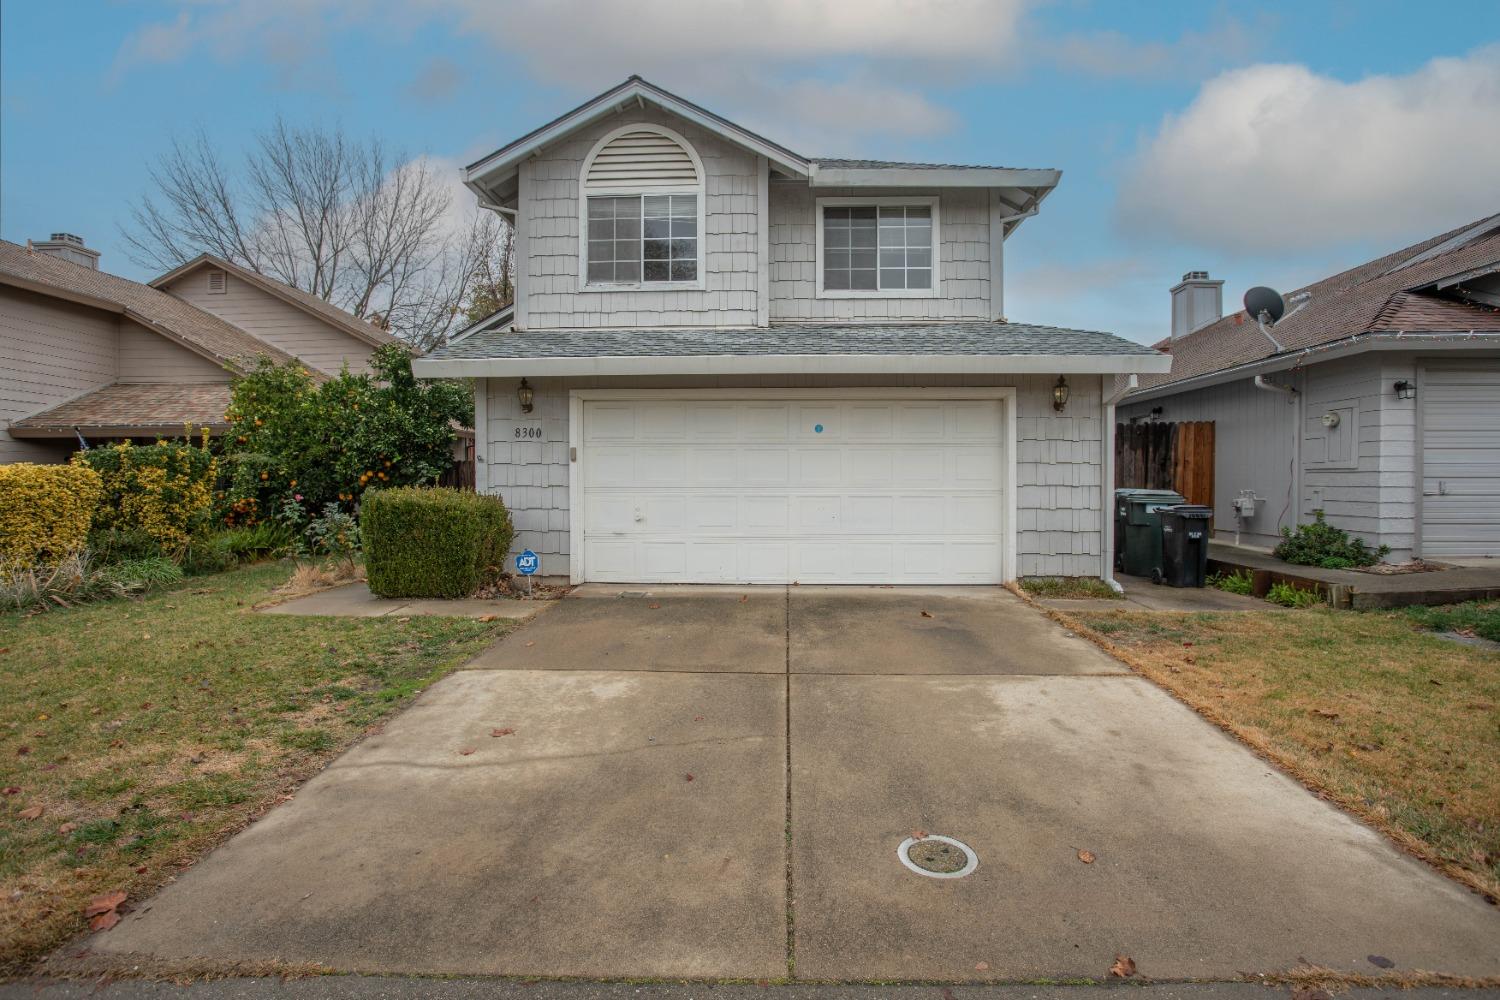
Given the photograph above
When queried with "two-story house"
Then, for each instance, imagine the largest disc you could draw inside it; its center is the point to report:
(91, 355)
(728, 362)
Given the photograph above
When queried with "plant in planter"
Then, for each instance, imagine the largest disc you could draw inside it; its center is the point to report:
(1321, 544)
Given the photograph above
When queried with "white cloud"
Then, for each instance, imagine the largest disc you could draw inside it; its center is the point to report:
(1279, 158)
(439, 80)
(1193, 54)
(830, 72)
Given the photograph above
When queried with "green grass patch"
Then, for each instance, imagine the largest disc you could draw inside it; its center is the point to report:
(147, 730)
(1069, 587)
(1475, 618)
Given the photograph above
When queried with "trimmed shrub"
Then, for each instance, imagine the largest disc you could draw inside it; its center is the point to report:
(164, 490)
(1321, 544)
(432, 541)
(45, 513)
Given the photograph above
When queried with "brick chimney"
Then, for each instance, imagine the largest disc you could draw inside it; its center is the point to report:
(1197, 301)
(68, 247)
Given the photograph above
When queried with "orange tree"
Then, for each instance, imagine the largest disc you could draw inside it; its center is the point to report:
(297, 443)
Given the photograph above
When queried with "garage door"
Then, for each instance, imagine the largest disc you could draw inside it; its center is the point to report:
(792, 490)
(1461, 460)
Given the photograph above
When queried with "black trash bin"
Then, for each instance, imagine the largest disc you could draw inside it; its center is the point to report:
(1184, 545)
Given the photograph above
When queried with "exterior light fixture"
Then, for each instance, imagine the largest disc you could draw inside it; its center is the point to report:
(1405, 389)
(1060, 394)
(525, 394)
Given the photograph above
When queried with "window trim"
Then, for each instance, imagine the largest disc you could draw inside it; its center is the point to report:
(918, 201)
(585, 192)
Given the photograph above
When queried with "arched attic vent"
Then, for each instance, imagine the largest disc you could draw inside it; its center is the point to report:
(642, 156)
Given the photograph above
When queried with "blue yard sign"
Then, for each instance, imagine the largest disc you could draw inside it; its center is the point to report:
(527, 563)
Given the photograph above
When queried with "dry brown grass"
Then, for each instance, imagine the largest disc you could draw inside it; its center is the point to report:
(1395, 725)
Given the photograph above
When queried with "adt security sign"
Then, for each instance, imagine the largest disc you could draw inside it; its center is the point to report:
(527, 562)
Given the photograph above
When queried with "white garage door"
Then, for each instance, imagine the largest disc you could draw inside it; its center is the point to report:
(1461, 460)
(792, 490)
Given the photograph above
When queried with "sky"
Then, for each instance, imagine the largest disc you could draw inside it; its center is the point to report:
(1274, 143)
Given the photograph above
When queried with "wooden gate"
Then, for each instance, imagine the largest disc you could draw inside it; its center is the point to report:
(1161, 456)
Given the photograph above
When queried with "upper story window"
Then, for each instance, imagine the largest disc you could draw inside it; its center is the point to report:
(642, 212)
(871, 247)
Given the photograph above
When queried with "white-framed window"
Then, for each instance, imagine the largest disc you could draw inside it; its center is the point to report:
(641, 212)
(878, 247)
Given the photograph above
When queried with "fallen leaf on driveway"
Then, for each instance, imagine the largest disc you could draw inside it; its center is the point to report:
(1322, 714)
(105, 903)
(697, 718)
(919, 835)
(744, 598)
(1087, 857)
(507, 731)
(1123, 968)
(31, 812)
(1381, 961)
(466, 751)
(67, 828)
(531, 642)
(927, 614)
(687, 777)
(653, 607)
(488, 618)
(981, 967)
(104, 921)
(12, 789)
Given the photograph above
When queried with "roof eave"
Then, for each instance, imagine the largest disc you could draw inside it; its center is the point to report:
(793, 364)
(484, 172)
(112, 430)
(933, 177)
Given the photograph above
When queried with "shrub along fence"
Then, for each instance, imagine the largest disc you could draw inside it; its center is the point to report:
(432, 541)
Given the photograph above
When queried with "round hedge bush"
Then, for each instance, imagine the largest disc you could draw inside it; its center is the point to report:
(425, 541)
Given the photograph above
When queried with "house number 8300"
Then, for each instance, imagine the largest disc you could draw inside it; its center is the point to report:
(527, 432)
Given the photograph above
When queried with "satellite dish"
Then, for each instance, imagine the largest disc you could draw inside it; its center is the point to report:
(1262, 300)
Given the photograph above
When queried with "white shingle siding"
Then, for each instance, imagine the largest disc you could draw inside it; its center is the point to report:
(964, 291)
(549, 214)
(1058, 491)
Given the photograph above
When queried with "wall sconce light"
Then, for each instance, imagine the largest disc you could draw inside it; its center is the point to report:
(1060, 394)
(525, 394)
(1405, 389)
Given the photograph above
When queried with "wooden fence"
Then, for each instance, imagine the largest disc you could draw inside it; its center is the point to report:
(1163, 456)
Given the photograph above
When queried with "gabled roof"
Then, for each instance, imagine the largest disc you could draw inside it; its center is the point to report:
(487, 176)
(130, 410)
(1384, 297)
(199, 331)
(499, 320)
(306, 301)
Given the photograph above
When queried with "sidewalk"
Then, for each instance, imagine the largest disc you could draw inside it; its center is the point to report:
(354, 600)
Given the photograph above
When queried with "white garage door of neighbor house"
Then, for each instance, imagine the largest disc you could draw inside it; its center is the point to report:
(792, 490)
(1461, 460)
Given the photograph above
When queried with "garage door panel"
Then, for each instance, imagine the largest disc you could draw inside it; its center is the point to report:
(751, 491)
(1461, 460)
(610, 422)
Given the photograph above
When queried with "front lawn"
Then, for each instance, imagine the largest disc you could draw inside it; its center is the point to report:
(143, 732)
(1479, 619)
(1395, 724)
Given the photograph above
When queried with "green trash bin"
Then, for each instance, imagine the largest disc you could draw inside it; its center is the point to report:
(1138, 529)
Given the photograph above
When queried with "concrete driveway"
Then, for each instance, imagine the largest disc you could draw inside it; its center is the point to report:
(693, 771)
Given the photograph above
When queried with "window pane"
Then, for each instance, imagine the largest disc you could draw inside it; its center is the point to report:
(893, 258)
(600, 229)
(863, 212)
(862, 280)
(657, 229)
(835, 215)
(628, 270)
(685, 206)
(918, 257)
(657, 270)
(864, 238)
(918, 212)
(684, 227)
(655, 249)
(601, 271)
(658, 206)
(600, 250)
(836, 259)
(684, 270)
(862, 258)
(919, 277)
(836, 279)
(892, 278)
(627, 229)
(835, 236)
(684, 249)
(889, 213)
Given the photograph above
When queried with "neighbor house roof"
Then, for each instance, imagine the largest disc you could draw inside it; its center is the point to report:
(788, 348)
(1387, 297)
(128, 410)
(490, 175)
(306, 301)
(197, 330)
(500, 319)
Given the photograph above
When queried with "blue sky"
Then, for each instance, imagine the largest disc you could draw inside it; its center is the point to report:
(1268, 145)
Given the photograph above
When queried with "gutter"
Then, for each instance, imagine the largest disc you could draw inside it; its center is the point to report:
(1107, 483)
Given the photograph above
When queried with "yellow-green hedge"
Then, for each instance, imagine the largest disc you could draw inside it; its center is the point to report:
(45, 512)
(163, 489)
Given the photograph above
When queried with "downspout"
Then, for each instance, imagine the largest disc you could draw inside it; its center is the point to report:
(1107, 483)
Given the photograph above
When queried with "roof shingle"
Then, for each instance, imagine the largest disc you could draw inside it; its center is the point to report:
(139, 407)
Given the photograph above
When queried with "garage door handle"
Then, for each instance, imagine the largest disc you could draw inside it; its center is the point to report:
(638, 515)
(1441, 491)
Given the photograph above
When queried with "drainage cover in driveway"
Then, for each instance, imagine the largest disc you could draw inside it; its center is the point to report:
(937, 856)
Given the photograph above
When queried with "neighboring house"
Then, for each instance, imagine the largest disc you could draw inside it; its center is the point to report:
(87, 353)
(728, 362)
(1376, 399)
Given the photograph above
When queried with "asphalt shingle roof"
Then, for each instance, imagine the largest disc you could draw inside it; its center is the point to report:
(226, 342)
(794, 339)
(1375, 297)
(166, 407)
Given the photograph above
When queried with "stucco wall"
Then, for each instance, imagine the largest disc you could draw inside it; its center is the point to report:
(963, 255)
(1057, 462)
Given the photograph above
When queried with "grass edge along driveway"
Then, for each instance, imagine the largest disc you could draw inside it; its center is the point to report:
(1392, 723)
(136, 735)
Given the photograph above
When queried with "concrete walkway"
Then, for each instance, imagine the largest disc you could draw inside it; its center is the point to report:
(354, 600)
(1143, 595)
(713, 783)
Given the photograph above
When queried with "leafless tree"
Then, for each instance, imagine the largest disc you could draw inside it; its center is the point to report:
(346, 220)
